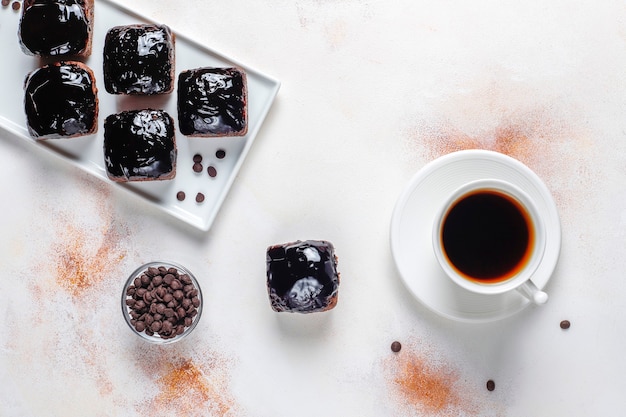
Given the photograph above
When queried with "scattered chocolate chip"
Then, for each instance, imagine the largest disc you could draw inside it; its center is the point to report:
(16, 5)
(197, 158)
(212, 171)
(565, 324)
(180, 196)
(491, 385)
(197, 167)
(5, 3)
(199, 198)
(396, 346)
(220, 153)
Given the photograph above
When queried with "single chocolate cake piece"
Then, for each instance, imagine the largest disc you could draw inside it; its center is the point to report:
(139, 60)
(302, 276)
(56, 27)
(139, 145)
(61, 101)
(213, 102)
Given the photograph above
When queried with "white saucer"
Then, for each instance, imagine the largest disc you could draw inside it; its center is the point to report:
(412, 222)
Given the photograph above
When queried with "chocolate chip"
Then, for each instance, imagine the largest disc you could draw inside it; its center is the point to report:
(491, 385)
(197, 158)
(145, 281)
(168, 326)
(396, 346)
(168, 279)
(199, 198)
(16, 5)
(220, 153)
(156, 326)
(5, 3)
(197, 167)
(180, 196)
(212, 171)
(565, 324)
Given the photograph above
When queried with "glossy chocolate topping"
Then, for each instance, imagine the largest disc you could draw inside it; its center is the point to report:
(140, 144)
(212, 102)
(139, 59)
(302, 276)
(51, 28)
(60, 100)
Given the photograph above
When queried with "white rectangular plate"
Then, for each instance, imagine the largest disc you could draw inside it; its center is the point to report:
(87, 152)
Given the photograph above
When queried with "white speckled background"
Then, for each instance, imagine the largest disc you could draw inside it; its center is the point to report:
(371, 91)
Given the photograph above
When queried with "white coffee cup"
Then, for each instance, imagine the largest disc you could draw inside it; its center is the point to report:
(494, 239)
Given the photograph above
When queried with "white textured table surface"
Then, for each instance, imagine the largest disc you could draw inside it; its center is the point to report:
(371, 91)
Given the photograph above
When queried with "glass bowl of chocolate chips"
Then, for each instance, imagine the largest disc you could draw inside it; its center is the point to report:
(162, 302)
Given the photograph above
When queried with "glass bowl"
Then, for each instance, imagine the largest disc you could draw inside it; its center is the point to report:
(161, 302)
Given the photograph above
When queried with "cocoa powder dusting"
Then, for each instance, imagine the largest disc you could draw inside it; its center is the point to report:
(426, 387)
(187, 389)
(516, 140)
(81, 264)
(423, 384)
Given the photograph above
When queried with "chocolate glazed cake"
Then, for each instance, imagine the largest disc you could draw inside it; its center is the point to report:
(139, 145)
(139, 59)
(302, 276)
(61, 100)
(213, 102)
(56, 27)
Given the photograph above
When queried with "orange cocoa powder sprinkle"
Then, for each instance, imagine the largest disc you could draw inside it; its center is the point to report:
(185, 389)
(426, 386)
(78, 265)
(510, 140)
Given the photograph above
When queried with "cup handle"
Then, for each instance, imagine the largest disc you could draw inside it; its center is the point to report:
(534, 294)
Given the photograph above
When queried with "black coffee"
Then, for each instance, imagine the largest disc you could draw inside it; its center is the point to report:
(487, 236)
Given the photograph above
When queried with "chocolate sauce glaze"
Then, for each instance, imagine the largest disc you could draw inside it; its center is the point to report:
(140, 144)
(60, 100)
(302, 276)
(212, 102)
(51, 28)
(139, 59)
